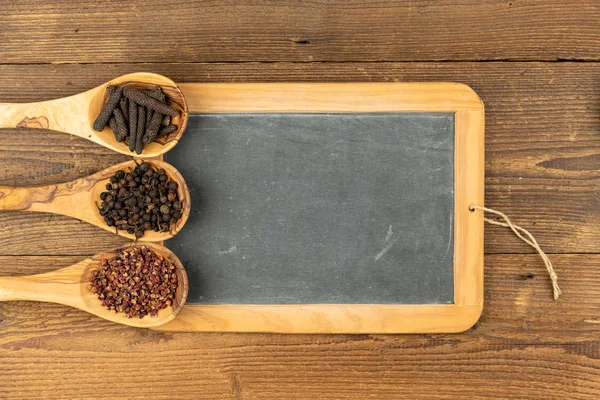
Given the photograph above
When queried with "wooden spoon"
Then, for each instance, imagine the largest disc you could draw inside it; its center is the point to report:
(76, 114)
(71, 286)
(80, 198)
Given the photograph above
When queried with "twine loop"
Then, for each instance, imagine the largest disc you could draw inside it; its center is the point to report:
(529, 239)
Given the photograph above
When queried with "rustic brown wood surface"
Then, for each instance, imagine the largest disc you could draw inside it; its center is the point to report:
(542, 169)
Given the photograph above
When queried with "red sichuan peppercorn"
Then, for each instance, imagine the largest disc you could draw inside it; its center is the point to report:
(136, 282)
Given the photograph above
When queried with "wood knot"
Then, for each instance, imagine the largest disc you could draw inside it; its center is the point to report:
(301, 41)
(35, 122)
(525, 277)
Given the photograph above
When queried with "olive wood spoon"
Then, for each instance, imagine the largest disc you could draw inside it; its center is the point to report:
(76, 114)
(71, 286)
(81, 198)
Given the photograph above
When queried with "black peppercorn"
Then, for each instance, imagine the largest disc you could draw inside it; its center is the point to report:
(141, 205)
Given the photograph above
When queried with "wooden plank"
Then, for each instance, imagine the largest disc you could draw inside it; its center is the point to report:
(346, 30)
(519, 307)
(523, 340)
(133, 365)
(541, 141)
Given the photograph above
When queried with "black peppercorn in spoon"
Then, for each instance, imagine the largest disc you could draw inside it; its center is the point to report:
(76, 114)
(71, 286)
(81, 199)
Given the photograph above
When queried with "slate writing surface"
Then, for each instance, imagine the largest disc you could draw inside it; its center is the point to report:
(318, 208)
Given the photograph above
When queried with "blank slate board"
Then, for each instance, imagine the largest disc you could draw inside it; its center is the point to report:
(317, 220)
(352, 208)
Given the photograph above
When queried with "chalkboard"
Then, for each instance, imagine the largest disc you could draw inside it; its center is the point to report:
(300, 208)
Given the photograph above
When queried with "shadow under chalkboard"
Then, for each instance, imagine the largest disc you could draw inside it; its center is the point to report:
(318, 208)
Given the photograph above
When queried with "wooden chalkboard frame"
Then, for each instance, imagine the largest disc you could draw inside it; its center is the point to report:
(468, 226)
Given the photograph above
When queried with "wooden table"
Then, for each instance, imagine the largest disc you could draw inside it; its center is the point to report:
(534, 63)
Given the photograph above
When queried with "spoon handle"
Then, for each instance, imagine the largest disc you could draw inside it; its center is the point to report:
(66, 114)
(71, 198)
(59, 199)
(62, 286)
(26, 198)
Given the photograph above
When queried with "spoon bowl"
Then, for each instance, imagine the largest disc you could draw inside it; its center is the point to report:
(71, 286)
(76, 114)
(80, 199)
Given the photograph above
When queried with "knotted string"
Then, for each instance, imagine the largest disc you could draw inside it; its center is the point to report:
(529, 239)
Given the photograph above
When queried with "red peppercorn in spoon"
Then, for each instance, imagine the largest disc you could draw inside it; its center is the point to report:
(86, 286)
(84, 199)
(77, 114)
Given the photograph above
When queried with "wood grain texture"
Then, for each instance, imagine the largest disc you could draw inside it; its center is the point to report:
(523, 340)
(469, 158)
(329, 368)
(542, 158)
(542, 126)
(359, 97)
(88, 31)
(541, 139)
